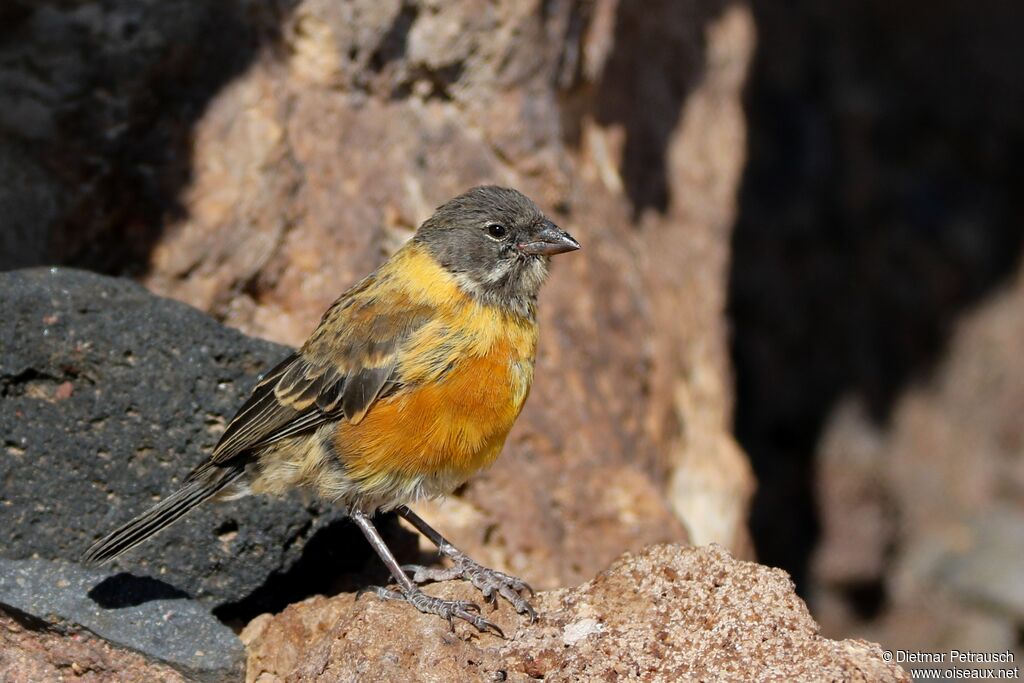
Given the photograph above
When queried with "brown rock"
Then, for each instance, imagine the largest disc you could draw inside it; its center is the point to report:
(667, 614)
(35, 654)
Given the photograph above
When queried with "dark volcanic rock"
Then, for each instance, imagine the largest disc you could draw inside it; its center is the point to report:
(108, 397)
(143, 615)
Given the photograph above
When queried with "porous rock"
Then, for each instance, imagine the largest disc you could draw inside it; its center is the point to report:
(109, 396)
(665, 614)
(29, 653)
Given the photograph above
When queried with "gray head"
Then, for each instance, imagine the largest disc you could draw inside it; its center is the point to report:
(497, 243)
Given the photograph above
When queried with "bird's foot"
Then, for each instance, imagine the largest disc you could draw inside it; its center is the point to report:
(446, 609)
(490, 582)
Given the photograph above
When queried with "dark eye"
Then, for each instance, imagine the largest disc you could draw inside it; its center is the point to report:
(497, 231)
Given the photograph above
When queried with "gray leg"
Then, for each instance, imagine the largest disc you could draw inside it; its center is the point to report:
(490, 582)
(409, 591)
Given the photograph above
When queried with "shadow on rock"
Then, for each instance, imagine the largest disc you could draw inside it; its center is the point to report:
(335, 559)
(658, 59)
(127, 590)
(99, 104)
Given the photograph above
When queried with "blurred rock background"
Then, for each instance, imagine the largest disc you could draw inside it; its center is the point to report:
(876, 303)
(801, 228)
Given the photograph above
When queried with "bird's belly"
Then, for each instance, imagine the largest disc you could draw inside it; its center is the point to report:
(443, 430)
(421, 442)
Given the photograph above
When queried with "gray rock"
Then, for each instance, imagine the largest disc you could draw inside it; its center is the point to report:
(143, 615)
(109, 396)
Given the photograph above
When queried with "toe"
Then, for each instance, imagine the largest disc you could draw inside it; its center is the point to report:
(467, 606)
(519, 602)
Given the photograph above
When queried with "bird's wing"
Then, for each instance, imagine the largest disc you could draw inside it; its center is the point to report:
(346, 365)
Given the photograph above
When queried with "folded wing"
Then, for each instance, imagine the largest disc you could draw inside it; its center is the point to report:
(348, 363)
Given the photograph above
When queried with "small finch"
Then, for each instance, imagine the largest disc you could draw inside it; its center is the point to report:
(407, 387)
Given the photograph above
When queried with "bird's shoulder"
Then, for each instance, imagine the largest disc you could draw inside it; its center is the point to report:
(364, 325)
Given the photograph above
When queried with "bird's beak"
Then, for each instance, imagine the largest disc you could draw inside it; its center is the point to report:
(548, 241)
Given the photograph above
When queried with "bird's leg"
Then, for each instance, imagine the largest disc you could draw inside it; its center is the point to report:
(490, 582)
(409, 591)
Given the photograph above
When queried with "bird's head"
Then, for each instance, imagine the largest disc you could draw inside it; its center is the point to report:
(496, 242)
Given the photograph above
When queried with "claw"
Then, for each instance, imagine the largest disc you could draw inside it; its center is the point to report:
(532, 614)
(494, 627)
(490, 582)
(483, 625)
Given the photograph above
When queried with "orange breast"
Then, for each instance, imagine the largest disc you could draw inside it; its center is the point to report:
(454, 423)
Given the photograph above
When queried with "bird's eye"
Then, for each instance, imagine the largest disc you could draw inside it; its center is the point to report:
(497, 231)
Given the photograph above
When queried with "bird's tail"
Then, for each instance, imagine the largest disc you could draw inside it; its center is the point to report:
(172, 508)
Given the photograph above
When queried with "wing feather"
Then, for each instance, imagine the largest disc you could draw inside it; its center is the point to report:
(348, 364)
(361, 390)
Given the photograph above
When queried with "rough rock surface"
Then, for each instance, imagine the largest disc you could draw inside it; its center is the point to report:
(254, 159)
(42, 600)
(666, 614)
(108, 397)
(30, 652)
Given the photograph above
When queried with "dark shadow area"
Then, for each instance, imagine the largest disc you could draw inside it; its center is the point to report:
(881, 201)
(657, 59)
(27, 621)
(127, 590)
(97, 107)
(336, 559)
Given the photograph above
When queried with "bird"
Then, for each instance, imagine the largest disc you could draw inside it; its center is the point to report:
(408, 386)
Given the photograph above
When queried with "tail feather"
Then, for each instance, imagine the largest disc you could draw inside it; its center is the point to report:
(160, 516)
